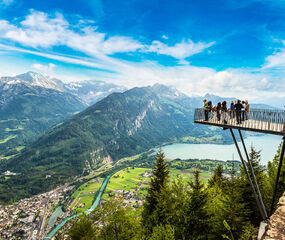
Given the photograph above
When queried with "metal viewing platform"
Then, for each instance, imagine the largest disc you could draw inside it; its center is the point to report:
(258, 120)
(268, 121)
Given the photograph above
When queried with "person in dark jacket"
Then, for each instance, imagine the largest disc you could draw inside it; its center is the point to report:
(238, 108)
(219, 110)
(224, 111)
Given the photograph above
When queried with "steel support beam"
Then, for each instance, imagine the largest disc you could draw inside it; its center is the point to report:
(253, 176)
(277, 176)
(248, 176)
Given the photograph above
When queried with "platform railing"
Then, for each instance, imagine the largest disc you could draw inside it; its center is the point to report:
(259, 119)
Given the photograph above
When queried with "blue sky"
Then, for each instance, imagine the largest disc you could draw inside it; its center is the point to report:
(224, 47)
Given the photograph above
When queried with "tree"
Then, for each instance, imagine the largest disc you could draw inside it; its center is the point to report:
(83, 229)
(217, 178)
(244, 187)
(195, 211)
(158, 182)
(234, 211)
(272, 173)
(162, 232)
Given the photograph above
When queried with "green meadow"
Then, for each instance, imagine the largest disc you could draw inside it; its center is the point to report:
(132, 179)
(84, 195)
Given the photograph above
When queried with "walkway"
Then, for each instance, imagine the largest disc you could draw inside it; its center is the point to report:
(259, 120)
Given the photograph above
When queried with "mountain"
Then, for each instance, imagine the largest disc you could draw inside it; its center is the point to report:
(30, 104)
(92, 91)
(34, 79)
(120, 125)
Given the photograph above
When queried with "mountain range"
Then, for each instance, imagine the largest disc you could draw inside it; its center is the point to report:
(71, 141)
(30, 103)
(120, 125)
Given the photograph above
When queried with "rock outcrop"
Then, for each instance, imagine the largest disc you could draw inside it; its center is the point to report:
(276, 223)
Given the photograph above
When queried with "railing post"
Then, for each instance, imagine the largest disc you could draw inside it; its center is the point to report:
(284, 122)
(269, 114)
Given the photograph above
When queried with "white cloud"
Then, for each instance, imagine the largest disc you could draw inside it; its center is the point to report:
(37, 30)
(6, 3)
(242, 83)
(179, 50)
(47, 69)
(277, 59)
(40, 30)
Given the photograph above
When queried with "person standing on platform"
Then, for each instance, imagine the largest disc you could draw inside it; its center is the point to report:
(224, 112)
(210, 106)
(232, 109)
(219, 110)
(238, 108)
(243, 111)
(247, 107)
(206, 110)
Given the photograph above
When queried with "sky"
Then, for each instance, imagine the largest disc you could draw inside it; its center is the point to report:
(222, 47)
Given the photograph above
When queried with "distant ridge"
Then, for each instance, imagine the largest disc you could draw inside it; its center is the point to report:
(120, 125)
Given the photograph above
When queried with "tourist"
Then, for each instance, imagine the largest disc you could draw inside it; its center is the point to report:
(206, 110)
(224, 111)
(243, 111)
(214, 110)
(247, 107)
(232, 109)
(238, 108)
(219, 110)
(210, 106)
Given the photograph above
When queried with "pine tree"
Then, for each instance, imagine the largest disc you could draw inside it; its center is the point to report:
(195, 210)
(158, 182)
(272, 173)
(234, 211)
(217, 178)
(244, 187)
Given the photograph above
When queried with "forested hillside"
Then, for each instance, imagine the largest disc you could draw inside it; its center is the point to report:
(122, 124)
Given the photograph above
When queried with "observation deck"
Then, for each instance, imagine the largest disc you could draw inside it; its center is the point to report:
(259, 120)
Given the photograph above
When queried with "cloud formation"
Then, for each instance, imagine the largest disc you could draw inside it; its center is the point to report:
(39, 32)
(38, 29)
(47, 69)
(277, 59)
(179, 50)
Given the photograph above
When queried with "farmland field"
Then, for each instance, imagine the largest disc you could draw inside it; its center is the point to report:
(136, 180)
(83, 197)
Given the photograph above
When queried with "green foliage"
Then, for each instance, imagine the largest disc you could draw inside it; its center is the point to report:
(272, 173)
(83, 229)
(157, 184)
(163, 232)
(119, 126)
(111, 221)
(229, 229)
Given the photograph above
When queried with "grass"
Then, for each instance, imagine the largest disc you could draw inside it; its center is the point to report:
(19, 148)
(131, 179)
(84, 195)
(127, 179)
(7, 139)
(14, 130)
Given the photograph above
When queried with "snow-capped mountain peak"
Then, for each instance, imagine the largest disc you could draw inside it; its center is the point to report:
(37, 79)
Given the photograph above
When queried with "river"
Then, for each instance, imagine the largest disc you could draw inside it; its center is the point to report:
(268, 144)
(94, 205)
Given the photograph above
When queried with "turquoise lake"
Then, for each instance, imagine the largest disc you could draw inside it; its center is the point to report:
(267, 143)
